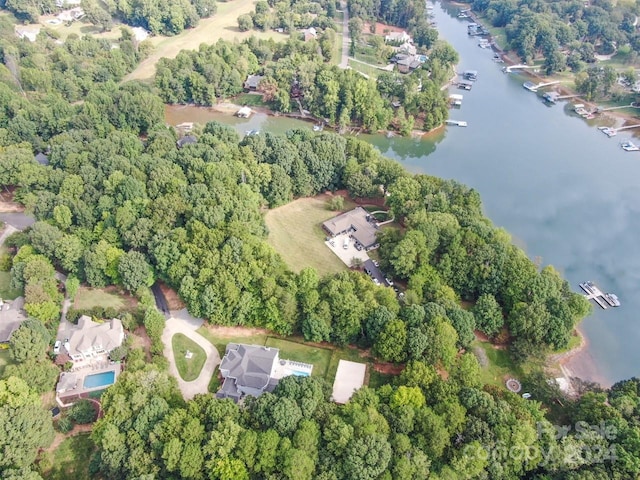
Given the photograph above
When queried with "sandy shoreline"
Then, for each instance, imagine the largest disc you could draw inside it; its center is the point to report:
(576, 363)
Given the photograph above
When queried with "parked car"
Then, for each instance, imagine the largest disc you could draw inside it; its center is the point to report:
(389, 281)
(56, 347)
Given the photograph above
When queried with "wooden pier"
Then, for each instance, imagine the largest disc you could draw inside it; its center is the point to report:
(604, 300)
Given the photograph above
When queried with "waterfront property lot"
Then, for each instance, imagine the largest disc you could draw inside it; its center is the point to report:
(295, 231)
(224, 24)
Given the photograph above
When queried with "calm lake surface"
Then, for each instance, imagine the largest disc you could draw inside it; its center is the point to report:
(568, 194)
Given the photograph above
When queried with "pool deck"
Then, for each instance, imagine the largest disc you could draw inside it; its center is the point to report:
(71, 384)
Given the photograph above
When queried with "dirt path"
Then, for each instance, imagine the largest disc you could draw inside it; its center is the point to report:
(61, 437)
(224, 24)
(344, 60)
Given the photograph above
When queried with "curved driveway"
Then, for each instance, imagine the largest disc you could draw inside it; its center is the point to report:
(181, 322)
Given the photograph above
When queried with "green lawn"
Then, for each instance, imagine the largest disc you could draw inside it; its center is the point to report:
(6, 292)
(70, 460)
(221, 342)
(500, 365)
(188, 368)
(295, 231)
(87, 298)
(251, 99)
(299, 352)
(368, 70)
(5, 359)
(336, 55)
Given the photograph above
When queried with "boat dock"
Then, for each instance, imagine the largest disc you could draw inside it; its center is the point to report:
(604, 300)
(458, 123)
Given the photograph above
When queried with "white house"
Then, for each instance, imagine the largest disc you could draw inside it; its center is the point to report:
(90, 339)
(30, 34)
(397, 37)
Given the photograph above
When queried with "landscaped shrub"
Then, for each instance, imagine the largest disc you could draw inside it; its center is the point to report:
(110, 313)
(118, 353)
(83, 412)
(73, 315)
(64, 425)
(97, 312)
(336, 203)
(129, 321)
(5, 262)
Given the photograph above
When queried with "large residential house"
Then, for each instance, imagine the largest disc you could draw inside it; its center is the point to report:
(11, 317)
(253, 370)
(397, 37)
(361, 226)
(90, 339)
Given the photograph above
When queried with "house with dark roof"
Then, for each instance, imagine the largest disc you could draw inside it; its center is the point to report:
(358, 223)
(11, 317)
(253, 82)
(254, 369)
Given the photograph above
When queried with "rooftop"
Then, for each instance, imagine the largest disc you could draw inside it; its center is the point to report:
(89, 335)
(358, 219)
(11, 317)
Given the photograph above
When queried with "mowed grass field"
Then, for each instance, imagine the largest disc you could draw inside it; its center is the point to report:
(224, 24)
(96, 297)
(295, 231)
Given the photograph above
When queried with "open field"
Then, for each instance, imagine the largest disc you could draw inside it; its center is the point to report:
(295, 231)
(299, 352)
(224, 24)
(189, 368)
(336, 54)
(87, 298)
(245, 335)
(70, 460)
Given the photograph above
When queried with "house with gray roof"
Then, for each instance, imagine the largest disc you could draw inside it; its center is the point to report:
(253, 82)
(254, 369)
(11, 317)
(90, 339)
(361, 226)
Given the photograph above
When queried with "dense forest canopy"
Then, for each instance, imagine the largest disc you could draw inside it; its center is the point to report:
(119, 203)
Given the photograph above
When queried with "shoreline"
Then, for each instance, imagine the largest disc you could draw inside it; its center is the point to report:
(619, 119)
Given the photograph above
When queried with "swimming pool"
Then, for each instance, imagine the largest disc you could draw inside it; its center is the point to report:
(103, 379)
(299, 373)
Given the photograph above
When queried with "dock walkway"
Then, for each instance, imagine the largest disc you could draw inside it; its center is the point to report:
(604, 300)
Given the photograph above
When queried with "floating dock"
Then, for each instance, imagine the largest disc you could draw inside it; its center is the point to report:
(604, 300)
(458, 123)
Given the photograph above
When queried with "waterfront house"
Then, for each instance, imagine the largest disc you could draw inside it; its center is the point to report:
(309, 34)
(187, 140)
(252, 83)
(244, 112)
(358, 223)
(90, 339)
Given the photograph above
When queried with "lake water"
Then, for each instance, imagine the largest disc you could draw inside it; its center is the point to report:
(568, 194)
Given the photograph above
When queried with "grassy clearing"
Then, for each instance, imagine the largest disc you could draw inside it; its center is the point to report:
(295, 231)
(5, 359)
(368, 70)
(251, 99)
(378, 379)
(188, 368)
(336, 54)
(220, 342)
(299, 352)
(87, 298)
(500, 366)
(224, 24)
(70, 460)
(6, 292)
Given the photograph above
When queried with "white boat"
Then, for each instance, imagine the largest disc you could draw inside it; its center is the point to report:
(629, 146)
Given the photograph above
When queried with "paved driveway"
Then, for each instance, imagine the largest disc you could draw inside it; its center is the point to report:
(17, 220)
(181, 322)
(346, 254)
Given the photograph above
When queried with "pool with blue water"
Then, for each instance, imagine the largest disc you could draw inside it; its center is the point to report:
(103, 379)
